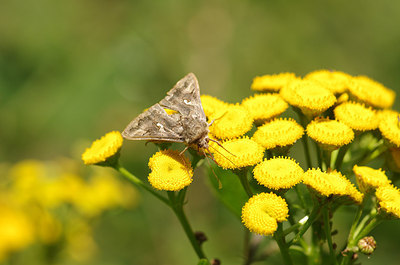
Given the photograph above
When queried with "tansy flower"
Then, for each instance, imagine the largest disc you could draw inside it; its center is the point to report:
(332, 183)
(104, 151)
(278, 173)
(272, 83)
(278, 133)
(211, 104)
(389, 200)
(309, 96)
(263, 211)
(371, 92)
(369, 179)
(170, 170)
(335, 81)
(357, 116)
(330, 134)
(342, 98)
(390, 127)
(244, 152)
(231, 122)
(263, 107)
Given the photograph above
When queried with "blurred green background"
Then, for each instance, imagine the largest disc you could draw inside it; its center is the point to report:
(70, 71)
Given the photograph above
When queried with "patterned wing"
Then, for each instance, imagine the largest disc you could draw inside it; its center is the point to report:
(155, 125)
(184, 98)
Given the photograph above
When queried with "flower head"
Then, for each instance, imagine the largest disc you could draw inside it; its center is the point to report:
(272, 83)
(331, 134)
(389, 200)
(265, 106)
(371, 92)
(104, 151)
(335, 81)
(278, 133)
(262, 212)
(170, 171)
(357, 116)
(309, 96)
(390, 127)
(369, 179)
(211, 104)
(231, 122)
(331, 184)
(246, 152)
(278, 173)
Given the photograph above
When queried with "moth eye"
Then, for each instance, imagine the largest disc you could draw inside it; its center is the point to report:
(187, 102)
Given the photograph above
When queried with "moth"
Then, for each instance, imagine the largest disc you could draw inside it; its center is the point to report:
(188, 124)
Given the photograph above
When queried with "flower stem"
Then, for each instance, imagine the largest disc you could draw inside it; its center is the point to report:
(133, 179)
(242, 174)
(283, 246)
(311, 219)
(177, 207)
(339, 159)
(328, 234)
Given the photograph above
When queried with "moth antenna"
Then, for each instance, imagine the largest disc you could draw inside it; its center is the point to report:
(208, 161)
(186, 148)
(222, 155)
(215, 141)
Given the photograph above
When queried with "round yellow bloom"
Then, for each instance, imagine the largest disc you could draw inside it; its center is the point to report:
(309, 96)
(389, 200)
(357, 116)
(105, 149)
(244, 152)
(331, 183)
(371, 92)
(170, 171)
(212, 104)
(331, 134)
(369, 179)
(265, 106)
(335, 81)
(272, 83)
(278, 133)
(390, 127)
(278, 173)
(262, 212)
(231, 122)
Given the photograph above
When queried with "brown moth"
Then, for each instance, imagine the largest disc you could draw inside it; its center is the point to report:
(187, 125)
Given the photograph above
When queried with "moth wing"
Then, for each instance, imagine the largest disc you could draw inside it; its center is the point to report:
(155, 125)
(184, 98)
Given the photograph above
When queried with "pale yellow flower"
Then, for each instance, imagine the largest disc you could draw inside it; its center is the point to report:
(389, 200)
(263, 107)
(390, 128)
(106, 149)
(272, 83)
(357, 116)
(335, 81)
(368, 179)
(212, 104)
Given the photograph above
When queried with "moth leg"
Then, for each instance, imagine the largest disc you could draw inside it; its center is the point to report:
(222, 155)
(186, 148)
(208, 161)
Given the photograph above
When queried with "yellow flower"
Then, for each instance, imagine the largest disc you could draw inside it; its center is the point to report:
(357, 116)
(264, 106)
(16, 230)
(170, 171)
(389, 200)
(245, 152)
(80, 244)
(335, 81)
(330, 134)
(390, 127)
(104, 151)
(309, 96)
(212, 104)
(369, 179)
(331, 183)
(278, 173)
(278, 133)
(272, 83)
(231, 122)
(371, 92)
(262, 213)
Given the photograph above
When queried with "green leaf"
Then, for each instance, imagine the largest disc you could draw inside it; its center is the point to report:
(203, 262)
(231, 192)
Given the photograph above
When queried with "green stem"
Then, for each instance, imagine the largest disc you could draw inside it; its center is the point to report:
(339, 159)
(356, 220)
(372, 155)
(327, 228)
(283, 247)
(177, 207)
(326, 155)
(133, 179)
(311, 219)
(306, 151)
(319, 155)
(367, 229)
(300, 195)
(242, 174)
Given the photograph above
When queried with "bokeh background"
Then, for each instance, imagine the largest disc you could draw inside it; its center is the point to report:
(70, 71)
